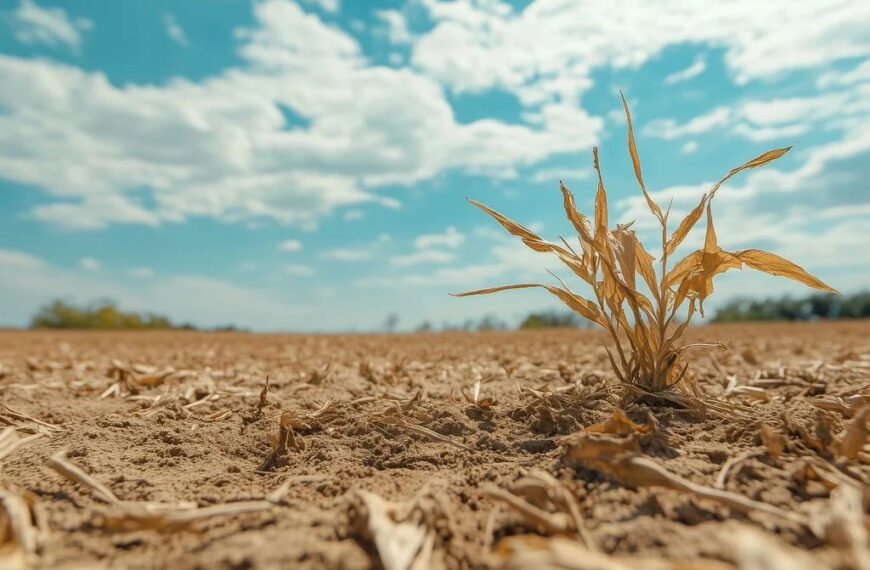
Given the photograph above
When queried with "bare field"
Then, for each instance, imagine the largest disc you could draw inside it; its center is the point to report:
(177, 428)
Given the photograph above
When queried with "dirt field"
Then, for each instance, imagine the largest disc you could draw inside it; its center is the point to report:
(176, 417)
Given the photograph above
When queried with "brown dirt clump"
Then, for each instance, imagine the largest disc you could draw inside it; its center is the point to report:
(445, 450)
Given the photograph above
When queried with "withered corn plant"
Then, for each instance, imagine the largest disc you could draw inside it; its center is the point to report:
(635, 302)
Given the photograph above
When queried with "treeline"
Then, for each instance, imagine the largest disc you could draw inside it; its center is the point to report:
(814, 307)
(103, 314)
(535, 320)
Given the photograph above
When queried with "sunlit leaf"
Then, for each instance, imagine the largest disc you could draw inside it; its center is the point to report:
(530, 238)
(584, 307)
(686, 226)
(580, 222)
(600, 204)
(627, 255)
(644, 264)
(759, 160)
(635, 160)
(776, 265)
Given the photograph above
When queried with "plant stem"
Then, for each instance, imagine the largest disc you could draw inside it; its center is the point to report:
(662, 302)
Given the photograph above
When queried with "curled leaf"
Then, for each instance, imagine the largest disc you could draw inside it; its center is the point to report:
(584, 307)
(776, 265)
(580, 222)
(635, 160)
(686, 226)
(600, 204)
(530, 238)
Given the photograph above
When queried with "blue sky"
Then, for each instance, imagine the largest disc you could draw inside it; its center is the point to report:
(303, 165)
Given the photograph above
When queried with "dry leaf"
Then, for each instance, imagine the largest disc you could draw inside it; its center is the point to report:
(620, 458)
(557, 553)
(755, 550)
(856, 435)
(398, 542)
(772, 441)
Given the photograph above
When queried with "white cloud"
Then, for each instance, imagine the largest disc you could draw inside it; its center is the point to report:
(508, 259)
(775, 118)
(450, 238)
(299, 270)
(780, 111)
(423, 256)
(347, 254)
(353, 215)
(330, 6)
(427, 248)
(290, 245)
(397, 26)
(760, 134)
(850, 211)
(396, 59)
(19, 260)
(566, 175)
(89, 263)
(694, 70)
(689, 147)
(140, 272)
(93, 212)
(52, 27)
(859, 74)
(670, 129)
(174, 30)
(219, 147)
(535, 52)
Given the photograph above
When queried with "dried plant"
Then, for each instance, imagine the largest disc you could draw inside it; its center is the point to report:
(641, 315)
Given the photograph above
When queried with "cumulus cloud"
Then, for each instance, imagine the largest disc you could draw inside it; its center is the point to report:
(670, 129)
(141, 272)
(290, 245)
(697, 68)
(13, 259)
(347, 254)
(451, 237)
(330, 6)
(506, 260)
(219, 147)
(535, 52)
(423, 256)
(775, 118)
(689, 147)
(396, 26)
(566, 175)
(299, 270)
(89, 263)
(859, 74)
(174, 30)
(53, 27)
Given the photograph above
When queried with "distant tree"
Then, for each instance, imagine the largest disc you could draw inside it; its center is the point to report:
(552, 319)
(491, 323)
(391, 322)
(818, 306)
(102, 314)
(425, 326)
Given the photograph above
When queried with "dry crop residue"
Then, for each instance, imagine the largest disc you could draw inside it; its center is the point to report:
(440, 450)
